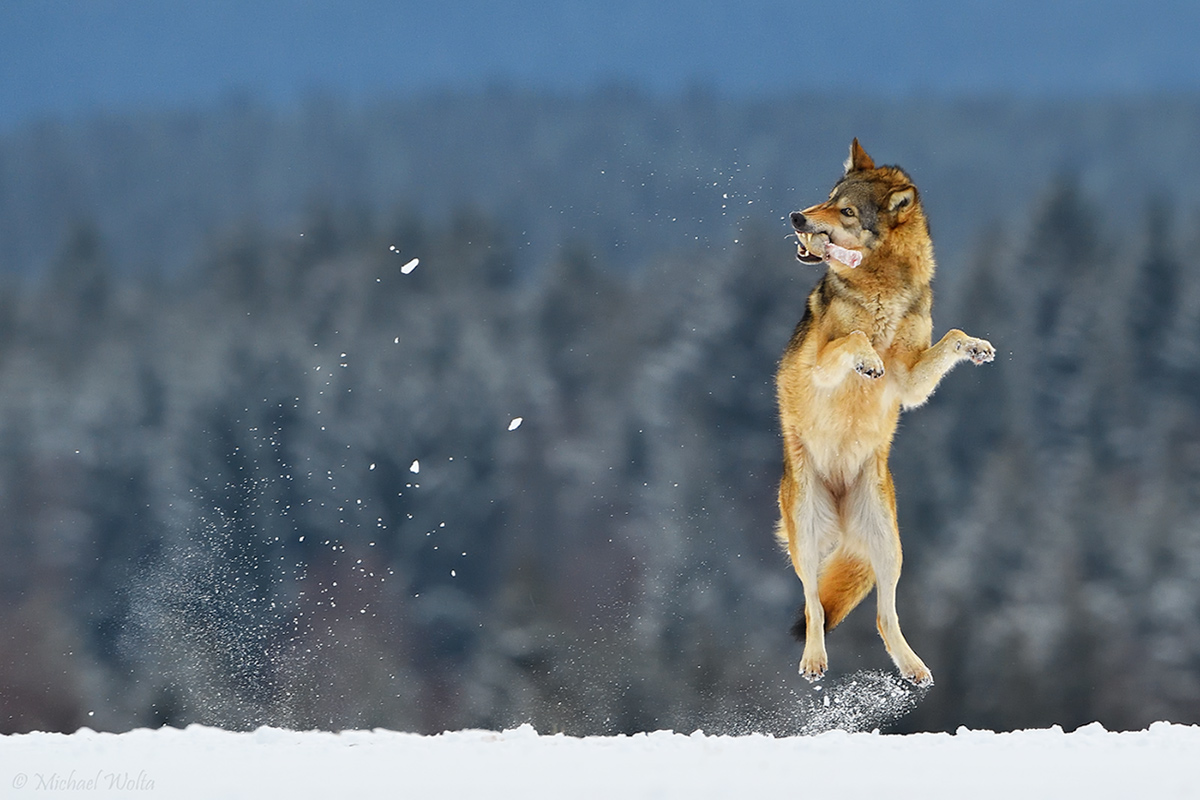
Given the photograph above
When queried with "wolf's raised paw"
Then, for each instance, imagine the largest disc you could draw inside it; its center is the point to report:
(980, 351)
(869, 368)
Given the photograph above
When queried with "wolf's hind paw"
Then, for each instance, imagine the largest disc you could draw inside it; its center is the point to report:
(918, 675)
(813, 669)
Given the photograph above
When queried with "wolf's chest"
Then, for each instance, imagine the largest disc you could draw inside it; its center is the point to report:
(881, 317)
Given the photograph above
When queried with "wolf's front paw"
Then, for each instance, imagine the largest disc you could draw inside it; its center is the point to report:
(863, 356)
(869, 365)
(980, 351)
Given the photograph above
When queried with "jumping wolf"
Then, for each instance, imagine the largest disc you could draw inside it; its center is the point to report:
(860, 354)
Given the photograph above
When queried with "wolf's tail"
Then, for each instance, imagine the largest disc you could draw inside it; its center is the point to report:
(844, 582)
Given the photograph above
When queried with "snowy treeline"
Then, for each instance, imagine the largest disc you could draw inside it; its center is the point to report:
(282, 486)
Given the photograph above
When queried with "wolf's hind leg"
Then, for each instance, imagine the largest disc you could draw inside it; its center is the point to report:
(808, 516)
(872, 523)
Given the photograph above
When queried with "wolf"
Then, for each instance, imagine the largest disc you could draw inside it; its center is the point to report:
(860, 354)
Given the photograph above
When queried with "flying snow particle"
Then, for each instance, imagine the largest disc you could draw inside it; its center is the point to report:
(415, 467)
(516, 423)
(410, 266)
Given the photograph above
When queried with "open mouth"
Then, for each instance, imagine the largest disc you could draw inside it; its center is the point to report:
(814, 248)
(810, 247)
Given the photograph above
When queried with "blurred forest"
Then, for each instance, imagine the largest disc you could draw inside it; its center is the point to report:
(252, 472)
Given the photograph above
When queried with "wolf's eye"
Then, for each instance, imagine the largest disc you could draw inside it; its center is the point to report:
(847, 212)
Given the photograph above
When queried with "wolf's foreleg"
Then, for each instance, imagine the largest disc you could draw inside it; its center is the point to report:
(839, 357)
(924, 376)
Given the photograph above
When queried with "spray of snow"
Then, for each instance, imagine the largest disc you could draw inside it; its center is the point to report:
(862, 701)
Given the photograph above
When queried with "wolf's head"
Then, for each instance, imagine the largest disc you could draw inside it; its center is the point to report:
(868, 206)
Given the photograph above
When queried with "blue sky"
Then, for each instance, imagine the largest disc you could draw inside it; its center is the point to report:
(71, 56)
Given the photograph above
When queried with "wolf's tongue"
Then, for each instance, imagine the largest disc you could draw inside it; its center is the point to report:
(851, 258)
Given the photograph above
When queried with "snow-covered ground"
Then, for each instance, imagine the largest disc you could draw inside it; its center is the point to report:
(209, 763)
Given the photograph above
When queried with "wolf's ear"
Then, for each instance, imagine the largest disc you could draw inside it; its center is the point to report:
(858, 158)
(902, 201)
